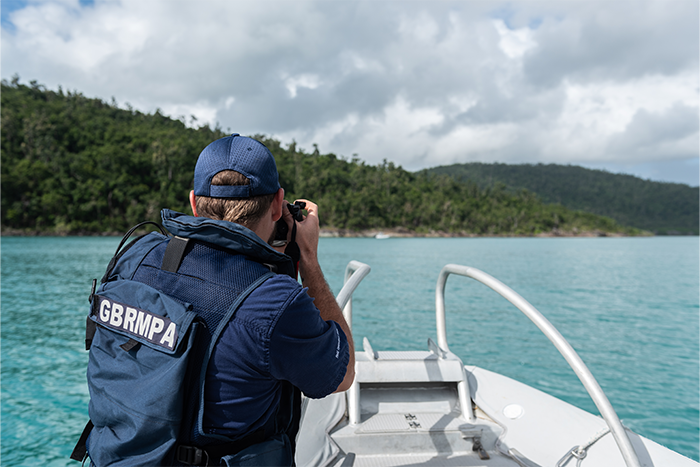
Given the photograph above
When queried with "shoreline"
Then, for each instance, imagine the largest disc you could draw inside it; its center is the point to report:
(393, 232)
(405, 233)
(396, 232)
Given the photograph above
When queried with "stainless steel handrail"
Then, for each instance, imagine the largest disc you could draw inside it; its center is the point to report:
(354, 273)
(589, 382)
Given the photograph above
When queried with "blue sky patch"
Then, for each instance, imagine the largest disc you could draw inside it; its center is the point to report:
(507, 13)
(9, 6)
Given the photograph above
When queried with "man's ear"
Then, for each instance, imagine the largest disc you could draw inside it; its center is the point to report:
(277, 205)
(193, 203)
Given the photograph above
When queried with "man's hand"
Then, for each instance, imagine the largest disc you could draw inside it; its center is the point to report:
(289, 220)
(308, 231)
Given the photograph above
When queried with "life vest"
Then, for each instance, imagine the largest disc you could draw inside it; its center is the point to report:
(150, 335)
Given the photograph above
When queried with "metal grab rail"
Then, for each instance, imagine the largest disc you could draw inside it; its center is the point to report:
(354, 273)
(589, 382)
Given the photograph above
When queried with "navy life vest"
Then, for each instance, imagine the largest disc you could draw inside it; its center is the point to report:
(150, 330)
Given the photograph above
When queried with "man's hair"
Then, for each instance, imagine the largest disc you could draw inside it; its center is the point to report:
(244, 211)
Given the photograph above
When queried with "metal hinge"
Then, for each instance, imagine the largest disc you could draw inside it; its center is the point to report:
(479, 448)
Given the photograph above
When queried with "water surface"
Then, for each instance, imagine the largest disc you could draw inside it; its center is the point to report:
(629, 306)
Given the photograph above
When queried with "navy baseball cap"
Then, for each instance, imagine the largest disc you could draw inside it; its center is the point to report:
(244, 155)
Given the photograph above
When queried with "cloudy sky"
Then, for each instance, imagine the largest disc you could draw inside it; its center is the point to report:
(603, 84)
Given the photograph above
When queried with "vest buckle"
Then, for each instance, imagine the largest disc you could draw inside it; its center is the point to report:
(191, 455)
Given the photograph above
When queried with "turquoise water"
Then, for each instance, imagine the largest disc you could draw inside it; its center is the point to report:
(629, 306)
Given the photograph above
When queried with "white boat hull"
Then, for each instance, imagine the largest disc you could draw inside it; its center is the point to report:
(544, 431)
(426, 408)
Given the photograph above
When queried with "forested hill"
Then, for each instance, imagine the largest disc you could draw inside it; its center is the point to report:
(72, 164)
(664, 208)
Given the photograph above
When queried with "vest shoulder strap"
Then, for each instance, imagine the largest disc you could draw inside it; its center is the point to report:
(174, 252)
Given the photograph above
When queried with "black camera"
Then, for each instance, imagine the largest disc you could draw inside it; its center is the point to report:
(282, 229)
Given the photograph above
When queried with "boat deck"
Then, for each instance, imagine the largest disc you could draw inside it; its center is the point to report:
(422, 438)
(453, 460)
(407, 411)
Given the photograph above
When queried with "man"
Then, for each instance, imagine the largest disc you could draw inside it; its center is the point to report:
(281, 332)
(261, 337)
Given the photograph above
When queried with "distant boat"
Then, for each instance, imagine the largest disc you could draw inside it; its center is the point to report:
(382, 236)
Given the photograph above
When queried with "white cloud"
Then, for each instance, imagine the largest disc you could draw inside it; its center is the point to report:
(419, 83)
(202, 112)
(595, 114)
(63, 34)
(514, 42)
(308, 81)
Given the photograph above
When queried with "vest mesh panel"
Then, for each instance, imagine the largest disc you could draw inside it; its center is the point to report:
(199, 281)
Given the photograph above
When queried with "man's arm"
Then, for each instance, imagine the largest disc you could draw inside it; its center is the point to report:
(312, 277)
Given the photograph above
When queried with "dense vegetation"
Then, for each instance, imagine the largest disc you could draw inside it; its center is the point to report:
(71, 164)
(659, 207)
(358, 196)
